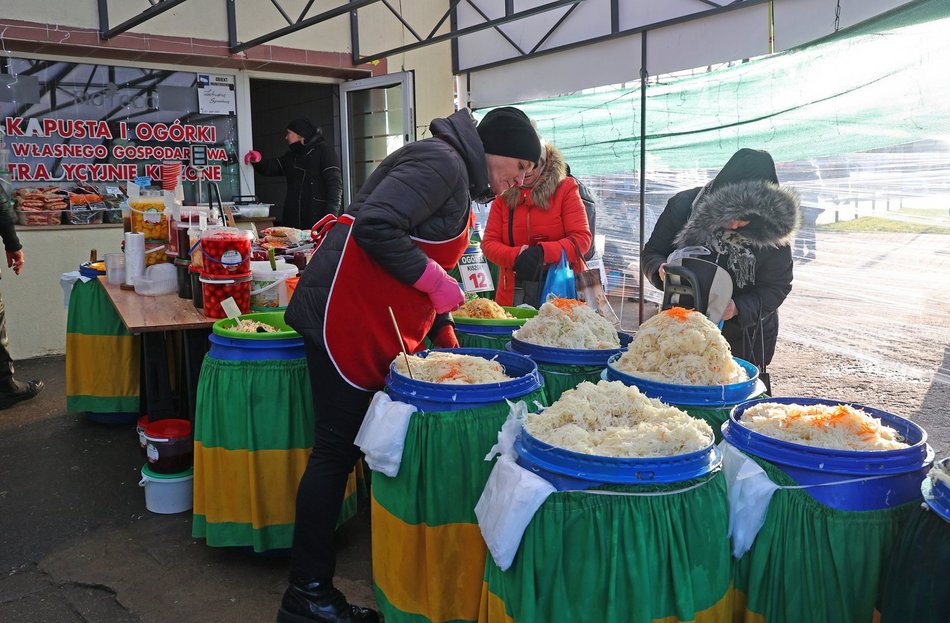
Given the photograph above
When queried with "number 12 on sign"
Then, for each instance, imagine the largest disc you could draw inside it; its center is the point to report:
(473, 269)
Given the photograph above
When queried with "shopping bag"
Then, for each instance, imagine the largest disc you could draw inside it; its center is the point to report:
(560, 280)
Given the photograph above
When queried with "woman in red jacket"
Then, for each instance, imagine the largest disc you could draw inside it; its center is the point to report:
(529, 226)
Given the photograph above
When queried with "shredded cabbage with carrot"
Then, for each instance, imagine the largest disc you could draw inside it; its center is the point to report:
(569, 323)
(837, 427)
(451, 369)
(612, 419)
(682, 347)
(482, 308)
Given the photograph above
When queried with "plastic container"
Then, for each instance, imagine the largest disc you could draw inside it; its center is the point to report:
(903, 469)
(568, 470)
(184, 278)
(169, 446)
(39, 217)
(157, 280)
(155, 253)
(84, 216)
(148, 216)
(226, 251)
(224, 327)
(253, 210)
(500, 326)
(691, 395)
(269, 287)
(214, 291)
(937, 493)
(292, 286)
(140, 425)
(92, 270)
(167, 494)
(178, 239)
(194, 246)
(439, 397)
(570, 356)
(197, 298)
(249, 349)
(115, 268)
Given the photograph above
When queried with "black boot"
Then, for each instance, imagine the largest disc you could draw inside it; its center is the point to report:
(320, 602)
(19, 391)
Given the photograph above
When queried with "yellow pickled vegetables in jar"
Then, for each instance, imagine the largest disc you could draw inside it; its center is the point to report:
(155, 254)
(148, 217)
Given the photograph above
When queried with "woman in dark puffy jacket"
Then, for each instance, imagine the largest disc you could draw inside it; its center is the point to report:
(747, 221)
(312, 170)
(391, 249)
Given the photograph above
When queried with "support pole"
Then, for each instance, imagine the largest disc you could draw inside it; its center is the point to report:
(643, 155)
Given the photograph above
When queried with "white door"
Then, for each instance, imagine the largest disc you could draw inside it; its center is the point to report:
(377, 118)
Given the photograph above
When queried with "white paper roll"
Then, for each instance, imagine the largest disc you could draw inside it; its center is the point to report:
(134, 257)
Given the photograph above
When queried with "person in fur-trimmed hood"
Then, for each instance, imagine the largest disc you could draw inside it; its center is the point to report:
(747, 221)
(529, 226)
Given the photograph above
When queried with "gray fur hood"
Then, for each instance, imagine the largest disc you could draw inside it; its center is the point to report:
(773, 213)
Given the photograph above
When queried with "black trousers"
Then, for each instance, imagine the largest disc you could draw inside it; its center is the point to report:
(6, 361)
(339, 409)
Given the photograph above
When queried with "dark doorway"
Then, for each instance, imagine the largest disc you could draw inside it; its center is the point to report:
(273, 104)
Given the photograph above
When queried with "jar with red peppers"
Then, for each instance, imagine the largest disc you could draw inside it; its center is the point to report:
(226, 251)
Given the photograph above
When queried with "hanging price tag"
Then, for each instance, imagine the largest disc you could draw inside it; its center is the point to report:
(473, 269)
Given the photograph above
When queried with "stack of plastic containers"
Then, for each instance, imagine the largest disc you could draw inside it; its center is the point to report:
(168, 476)
(225, 269)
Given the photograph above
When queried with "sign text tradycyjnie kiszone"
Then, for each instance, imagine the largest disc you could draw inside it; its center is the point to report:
(124, 161)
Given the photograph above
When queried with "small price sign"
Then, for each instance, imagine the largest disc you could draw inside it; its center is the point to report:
(473, 269)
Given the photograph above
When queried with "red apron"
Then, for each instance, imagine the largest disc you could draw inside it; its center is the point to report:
(357, 329)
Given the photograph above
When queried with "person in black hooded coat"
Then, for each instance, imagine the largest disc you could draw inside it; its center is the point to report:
(747, 221)
(312, 170)
(388, 253)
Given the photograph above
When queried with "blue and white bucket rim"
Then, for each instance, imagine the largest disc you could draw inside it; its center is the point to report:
(597, 470)
(936, 492)
(783, 452)
(569, 356)
(692, 395)
(445, 397)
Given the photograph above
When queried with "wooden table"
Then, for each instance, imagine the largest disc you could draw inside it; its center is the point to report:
(152, 316)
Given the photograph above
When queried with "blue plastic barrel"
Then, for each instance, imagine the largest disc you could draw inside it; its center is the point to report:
(902, 470)
(570, 356)
(237, 349)
(937, 493)
(451, 397)
(692, 395)
(568, 470)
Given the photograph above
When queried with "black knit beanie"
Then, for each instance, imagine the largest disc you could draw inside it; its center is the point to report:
(302, 127)
(508, 132)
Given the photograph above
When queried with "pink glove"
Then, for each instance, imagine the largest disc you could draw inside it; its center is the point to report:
(252, 157)
(443, 291)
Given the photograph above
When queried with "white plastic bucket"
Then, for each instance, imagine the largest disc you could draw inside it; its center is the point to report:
(167, 494)
(269, 287)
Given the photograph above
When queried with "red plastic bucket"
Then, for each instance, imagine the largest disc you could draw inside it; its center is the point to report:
(169, 446)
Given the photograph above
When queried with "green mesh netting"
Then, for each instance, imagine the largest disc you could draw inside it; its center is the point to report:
(872, 86)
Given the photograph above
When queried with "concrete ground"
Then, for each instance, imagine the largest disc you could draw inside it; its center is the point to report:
(77, 544)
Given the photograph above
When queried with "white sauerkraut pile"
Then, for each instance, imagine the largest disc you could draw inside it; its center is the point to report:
(246, 325)
(452, 369)
(681, 347)
(837, 427)
(569, 323)
(612, 419)
(482, 308)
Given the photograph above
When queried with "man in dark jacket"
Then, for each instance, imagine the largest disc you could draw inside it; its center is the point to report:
(388, 253)
(12, 391)
(747, 222)
(314, 181)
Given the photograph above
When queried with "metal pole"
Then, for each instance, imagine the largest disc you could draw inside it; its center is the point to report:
(643, 156)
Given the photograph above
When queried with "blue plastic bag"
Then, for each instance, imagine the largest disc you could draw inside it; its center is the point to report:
(560, 281)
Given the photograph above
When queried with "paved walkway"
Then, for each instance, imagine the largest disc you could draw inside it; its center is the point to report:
(78, 545)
